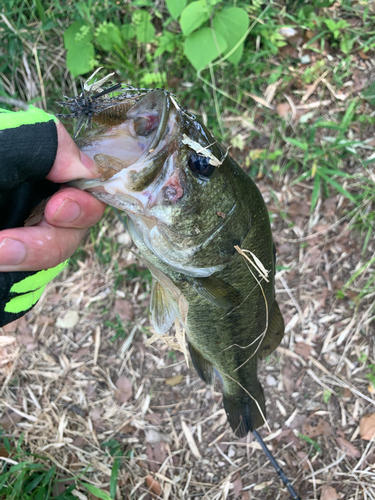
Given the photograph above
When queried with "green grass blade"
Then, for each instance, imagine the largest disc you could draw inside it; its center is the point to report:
(114, 475)
(95, 491)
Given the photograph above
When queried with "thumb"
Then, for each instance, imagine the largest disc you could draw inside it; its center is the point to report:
(70, 163)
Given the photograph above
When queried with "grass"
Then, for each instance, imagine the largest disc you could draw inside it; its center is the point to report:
(327, 146)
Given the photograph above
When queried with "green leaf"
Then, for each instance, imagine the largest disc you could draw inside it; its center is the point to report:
(175, 7)
(95, 491)
(202, 47)
(193, 16)
(81, 60)
(77, 34)
(167, 43)
(144, 30)
(80, 56)
(232, 23)
(127, 31)
(108, 35)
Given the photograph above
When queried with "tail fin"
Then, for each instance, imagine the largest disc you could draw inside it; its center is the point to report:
(245, 414)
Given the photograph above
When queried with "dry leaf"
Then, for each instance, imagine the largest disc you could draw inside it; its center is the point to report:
(302, 349)
(69, 320)
(349, 449)
(153, 436)
(174, 380)
(367, 426)
(283, 109)
(329, 493)
(316, 426)
(124, 389)
(237, 485)
(124, 308)
(153, 485)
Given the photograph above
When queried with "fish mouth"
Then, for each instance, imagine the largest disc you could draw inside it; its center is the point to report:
(130, 154)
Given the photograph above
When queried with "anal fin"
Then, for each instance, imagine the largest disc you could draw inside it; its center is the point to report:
(203, 367)
(274, 334)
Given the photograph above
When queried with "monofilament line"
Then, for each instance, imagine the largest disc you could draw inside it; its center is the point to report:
(277, 467)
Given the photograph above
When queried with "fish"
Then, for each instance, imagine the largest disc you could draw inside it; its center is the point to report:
(202, 228)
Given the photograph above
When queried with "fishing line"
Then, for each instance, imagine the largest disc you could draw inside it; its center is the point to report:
(277, 467)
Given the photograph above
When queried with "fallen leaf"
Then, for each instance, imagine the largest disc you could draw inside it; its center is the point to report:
(153, 485)
(349, 449)
(329, 493)
(302, 349)
(124, 308)
(124, 389)
(237, 485)
(153, 436)
(283, 109)
(263, 485)
(367, 426)
(69, 320)
(316, 426)
(174, 380)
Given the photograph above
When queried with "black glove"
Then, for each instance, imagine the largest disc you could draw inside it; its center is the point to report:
(28, 146)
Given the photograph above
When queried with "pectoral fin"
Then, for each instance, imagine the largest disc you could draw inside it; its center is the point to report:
(275, 332)
(163, 309)
(217, 291)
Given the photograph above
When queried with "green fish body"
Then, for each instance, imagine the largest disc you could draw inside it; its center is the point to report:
(194, 215)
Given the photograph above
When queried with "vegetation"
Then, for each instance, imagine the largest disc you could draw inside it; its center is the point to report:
(261, 63)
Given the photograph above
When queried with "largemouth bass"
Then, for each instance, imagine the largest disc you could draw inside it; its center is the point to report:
(194, 215)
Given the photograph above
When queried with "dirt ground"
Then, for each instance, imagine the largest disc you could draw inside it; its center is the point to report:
(70, 387)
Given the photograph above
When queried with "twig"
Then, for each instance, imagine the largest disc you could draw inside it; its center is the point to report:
(14, 102)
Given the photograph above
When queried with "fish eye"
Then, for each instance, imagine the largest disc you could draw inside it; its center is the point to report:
(201, 165)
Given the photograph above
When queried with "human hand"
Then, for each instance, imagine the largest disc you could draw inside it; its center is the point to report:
(67, 216)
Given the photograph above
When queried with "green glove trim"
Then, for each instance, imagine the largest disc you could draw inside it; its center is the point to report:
(37, 280)
(23, 302)
(31, 289)
(33, 115)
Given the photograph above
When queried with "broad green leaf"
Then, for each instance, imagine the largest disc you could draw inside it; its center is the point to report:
(167, 43)
(193, 16)
(232, 24)
(127, 31)
(96, 491)
(202, 47)
(144, 30)
(108, 35)
(175, 7)
(76, 35)
(81, 60)
(80, 56)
